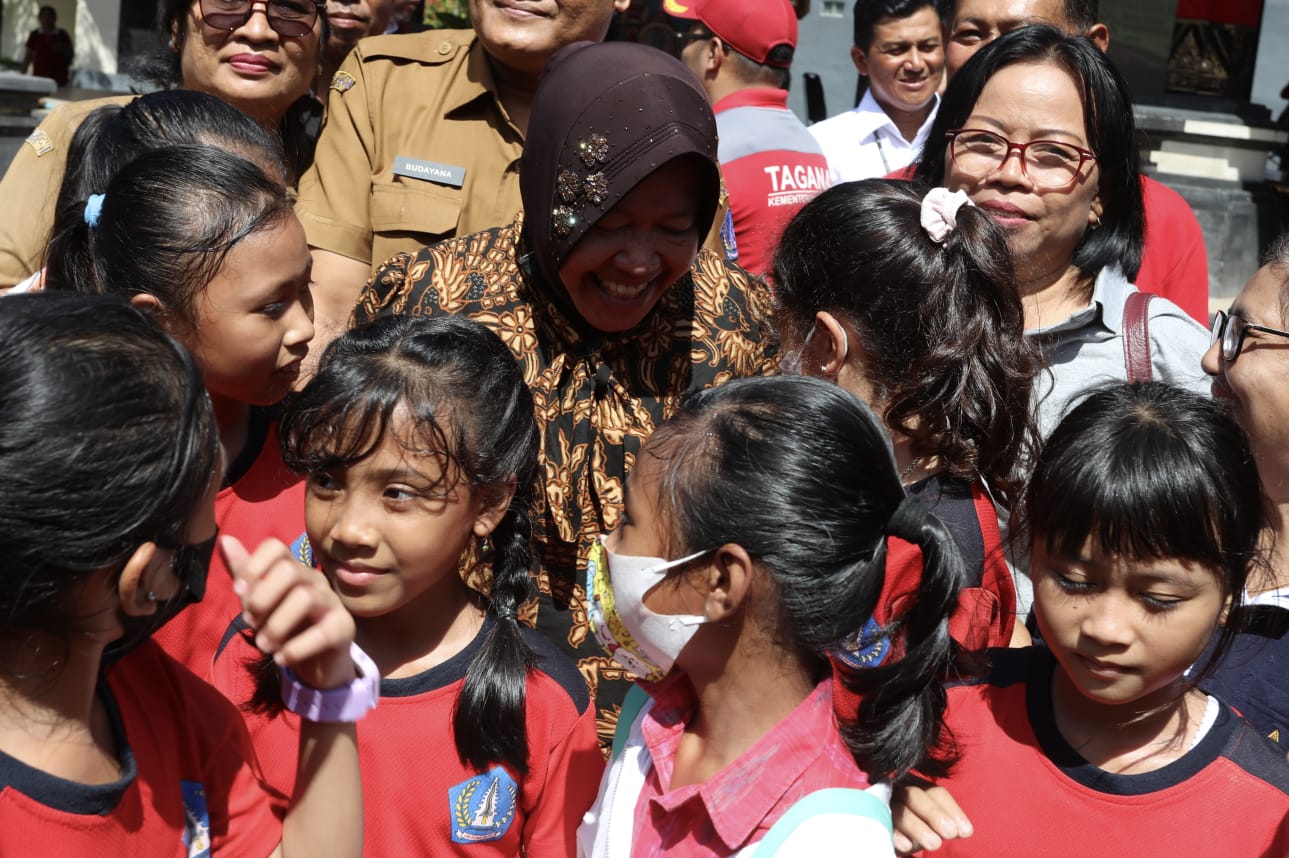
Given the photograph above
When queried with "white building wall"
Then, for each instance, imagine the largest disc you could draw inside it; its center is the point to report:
(93, 25)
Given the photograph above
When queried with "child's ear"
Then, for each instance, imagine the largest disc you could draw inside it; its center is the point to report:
(151, 305)
(832, 343)
(494, 501)
(141, 578)
(728, 582)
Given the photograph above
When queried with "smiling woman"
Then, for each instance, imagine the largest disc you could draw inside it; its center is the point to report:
(601, 292)
(1037, 129)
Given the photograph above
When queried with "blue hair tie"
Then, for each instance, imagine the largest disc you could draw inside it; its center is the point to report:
(93, 208)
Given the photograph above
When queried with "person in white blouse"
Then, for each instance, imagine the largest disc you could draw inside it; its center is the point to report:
(899, 47)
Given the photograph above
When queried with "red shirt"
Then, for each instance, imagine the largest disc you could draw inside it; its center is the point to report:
(268, 501)
(772, 166)
(51, 54)
(735, 807)
(188, 775)
(1028, 792)
(1174, 264)
(418, 797)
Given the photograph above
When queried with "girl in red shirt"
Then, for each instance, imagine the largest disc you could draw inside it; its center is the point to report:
(110, 461)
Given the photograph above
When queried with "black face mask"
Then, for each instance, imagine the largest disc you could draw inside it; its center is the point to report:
(190, 564)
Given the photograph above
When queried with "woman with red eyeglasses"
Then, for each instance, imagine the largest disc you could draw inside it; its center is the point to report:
(1038, 130)
(261, 56)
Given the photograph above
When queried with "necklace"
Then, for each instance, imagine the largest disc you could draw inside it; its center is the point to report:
(913, 466)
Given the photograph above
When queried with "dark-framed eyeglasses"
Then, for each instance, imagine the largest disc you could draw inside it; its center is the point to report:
(287, 17)
(1230, 330)
(1051, 164)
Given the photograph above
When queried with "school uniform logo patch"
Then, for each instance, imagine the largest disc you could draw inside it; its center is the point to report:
(343, 81)
(302, 550)
(483, 807)
(196, 819)
(866, 648)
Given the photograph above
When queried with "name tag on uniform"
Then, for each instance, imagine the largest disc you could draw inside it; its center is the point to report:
(441, 174)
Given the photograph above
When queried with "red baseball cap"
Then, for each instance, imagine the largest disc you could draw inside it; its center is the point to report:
(751, 27)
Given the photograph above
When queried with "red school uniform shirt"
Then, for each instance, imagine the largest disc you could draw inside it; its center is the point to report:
(985, 616)
(737, 806)
(418, 796)
(1027, 792)
(267, 501)
(189, 783)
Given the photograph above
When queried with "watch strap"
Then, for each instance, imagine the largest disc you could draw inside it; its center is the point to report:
(343, 704)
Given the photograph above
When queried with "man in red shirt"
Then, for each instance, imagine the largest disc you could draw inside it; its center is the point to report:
(1174, 263)
(49, 48)
(772, 165)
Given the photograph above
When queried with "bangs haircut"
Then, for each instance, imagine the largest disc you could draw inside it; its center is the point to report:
(354, 403)
(1149, 471)
(450, 388)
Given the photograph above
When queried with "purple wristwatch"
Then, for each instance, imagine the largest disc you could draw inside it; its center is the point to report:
(335, 705)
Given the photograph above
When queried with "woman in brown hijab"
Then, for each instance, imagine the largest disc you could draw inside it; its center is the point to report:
(600, 289)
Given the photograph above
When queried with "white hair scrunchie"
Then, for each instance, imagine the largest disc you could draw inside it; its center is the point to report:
(940, 212)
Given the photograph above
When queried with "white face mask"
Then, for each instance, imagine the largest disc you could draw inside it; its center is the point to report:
(641, 641)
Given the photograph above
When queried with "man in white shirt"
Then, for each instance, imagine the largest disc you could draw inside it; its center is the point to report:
(900, 49)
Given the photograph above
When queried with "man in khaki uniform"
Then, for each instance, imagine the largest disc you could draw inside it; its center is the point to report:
(423, 136)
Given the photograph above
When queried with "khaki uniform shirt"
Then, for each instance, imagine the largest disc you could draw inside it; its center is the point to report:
(30, 189)
(415, 149)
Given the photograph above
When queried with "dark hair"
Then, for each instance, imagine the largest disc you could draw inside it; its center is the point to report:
(1081, 15)
(169, 219)
(107, 440)
(48, 9)
(113, 136)
(942, 324)
(800, 474)
(1107, 121)
(469, 404)
(869, 12)
(1276, 257)
(1149, 470)
(163, 68)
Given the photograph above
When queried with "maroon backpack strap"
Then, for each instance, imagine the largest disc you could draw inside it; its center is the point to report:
(1136, 336)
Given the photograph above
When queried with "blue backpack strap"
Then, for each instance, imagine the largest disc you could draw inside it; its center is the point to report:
(852, 802)
(631, 705)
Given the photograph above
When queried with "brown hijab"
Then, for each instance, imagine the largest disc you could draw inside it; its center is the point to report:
(605, 116)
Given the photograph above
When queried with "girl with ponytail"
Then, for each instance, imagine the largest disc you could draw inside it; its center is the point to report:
(753, 545)
(907, 300)
(419, 450)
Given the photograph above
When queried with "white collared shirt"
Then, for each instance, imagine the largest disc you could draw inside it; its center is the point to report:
(865, 144)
